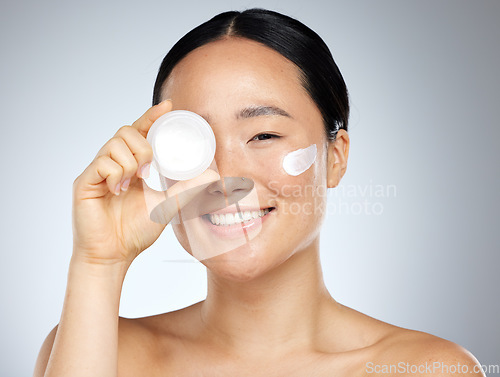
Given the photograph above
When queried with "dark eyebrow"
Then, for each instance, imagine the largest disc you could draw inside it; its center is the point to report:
(255, 111)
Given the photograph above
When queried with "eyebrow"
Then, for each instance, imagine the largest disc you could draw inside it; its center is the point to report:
(255, 111)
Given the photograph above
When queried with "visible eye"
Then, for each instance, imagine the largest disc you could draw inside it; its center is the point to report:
(264, 136)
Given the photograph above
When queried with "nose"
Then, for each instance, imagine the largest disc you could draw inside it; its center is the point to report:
(234, 183)
(231, 187)
(227, 191)
(227, 162)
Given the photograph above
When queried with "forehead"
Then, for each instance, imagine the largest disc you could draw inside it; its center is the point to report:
(234, 66)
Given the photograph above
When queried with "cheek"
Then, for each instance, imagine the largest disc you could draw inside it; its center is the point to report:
(300, 202)
(300, 160)
(297, 176)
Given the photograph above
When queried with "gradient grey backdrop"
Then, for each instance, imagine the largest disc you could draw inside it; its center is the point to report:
(423, 78)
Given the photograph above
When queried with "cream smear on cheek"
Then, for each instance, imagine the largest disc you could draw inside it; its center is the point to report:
(297, 162)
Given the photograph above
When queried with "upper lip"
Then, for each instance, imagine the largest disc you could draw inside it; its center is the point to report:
(233, 209)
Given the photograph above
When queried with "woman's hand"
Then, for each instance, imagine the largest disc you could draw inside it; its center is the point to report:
(111, 226)
(111, 221)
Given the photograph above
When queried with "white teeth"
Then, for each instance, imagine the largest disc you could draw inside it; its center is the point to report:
(236, 218)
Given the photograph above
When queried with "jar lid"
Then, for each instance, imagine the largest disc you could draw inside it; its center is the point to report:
(183, 144)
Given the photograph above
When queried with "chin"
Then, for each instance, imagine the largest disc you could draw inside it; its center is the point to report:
(243, 264)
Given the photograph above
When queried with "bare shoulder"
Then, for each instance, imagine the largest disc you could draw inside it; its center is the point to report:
(144, 342)
(178, 323)
(383, 349)
(410, 352)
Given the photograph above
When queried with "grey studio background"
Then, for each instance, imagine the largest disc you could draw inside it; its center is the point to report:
(412, 236)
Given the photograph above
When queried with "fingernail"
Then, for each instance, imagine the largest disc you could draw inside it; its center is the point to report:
(125, 184)
(117, 189)
(145, 171)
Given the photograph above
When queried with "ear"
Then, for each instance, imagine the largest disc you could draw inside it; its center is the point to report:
(338, 152)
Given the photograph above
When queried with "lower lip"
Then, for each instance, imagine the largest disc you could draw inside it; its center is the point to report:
(235, 230)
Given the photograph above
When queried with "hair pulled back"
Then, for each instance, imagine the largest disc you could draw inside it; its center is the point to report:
(320, 75)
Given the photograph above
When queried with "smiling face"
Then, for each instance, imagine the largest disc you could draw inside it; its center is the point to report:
(255, 102)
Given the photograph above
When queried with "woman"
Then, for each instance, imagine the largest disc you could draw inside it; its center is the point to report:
(268, 87)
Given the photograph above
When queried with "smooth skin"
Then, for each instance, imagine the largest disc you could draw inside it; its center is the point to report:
(267, 311)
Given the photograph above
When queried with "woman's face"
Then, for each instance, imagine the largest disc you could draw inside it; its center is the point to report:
(225, 82)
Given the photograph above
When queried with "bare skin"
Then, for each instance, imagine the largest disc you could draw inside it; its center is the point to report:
(267, 314)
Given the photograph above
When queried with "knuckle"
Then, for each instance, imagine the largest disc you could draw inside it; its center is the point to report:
(146, 154)
(107, 166)
(124, 130)
(110, 146)
(130, 167)
(115, 142)
(101, 160)
(116, 169)
(115, 173)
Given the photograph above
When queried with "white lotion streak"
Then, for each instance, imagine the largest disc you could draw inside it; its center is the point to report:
(299, 161)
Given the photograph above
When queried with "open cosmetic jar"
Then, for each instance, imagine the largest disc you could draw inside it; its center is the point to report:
(183, 145)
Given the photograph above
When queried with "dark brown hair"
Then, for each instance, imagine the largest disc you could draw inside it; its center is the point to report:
(292, 39)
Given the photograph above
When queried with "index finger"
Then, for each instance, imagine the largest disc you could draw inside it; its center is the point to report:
(144, 123)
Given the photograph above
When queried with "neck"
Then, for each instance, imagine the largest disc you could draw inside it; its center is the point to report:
(283, 307)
